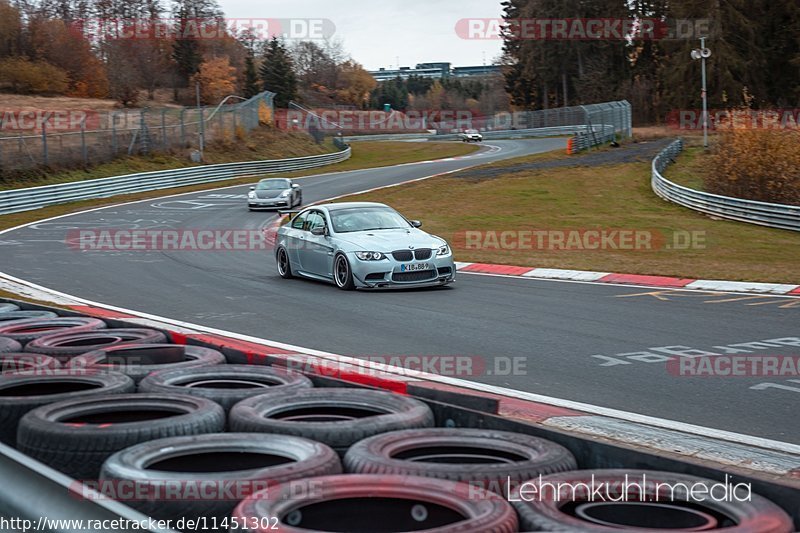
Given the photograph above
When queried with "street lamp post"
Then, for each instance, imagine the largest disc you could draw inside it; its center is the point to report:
(702, 54)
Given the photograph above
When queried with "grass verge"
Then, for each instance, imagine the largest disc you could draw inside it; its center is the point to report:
(609, 197)
(365, 155)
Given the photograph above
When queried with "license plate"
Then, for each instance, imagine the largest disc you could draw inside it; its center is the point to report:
(414, 267)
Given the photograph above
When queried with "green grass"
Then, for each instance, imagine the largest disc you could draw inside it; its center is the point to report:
(365, 155)
(690, 168)
(607, 197)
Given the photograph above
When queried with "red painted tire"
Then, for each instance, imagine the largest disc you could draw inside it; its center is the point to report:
(67, 345)
(27, 363)
(25, 331)
(139, 360)
(546, 512)
(370, 502)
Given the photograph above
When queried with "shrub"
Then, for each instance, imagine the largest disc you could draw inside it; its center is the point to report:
(33, 77)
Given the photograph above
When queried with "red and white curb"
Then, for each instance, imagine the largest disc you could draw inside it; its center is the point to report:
(666, 437)
(631, 279)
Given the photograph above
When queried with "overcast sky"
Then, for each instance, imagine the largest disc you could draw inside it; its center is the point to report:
(375, 33)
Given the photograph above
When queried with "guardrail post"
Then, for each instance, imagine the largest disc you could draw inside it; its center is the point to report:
(45, 157)
(84, 152)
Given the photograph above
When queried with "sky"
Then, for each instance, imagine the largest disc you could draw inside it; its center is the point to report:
(377, 33)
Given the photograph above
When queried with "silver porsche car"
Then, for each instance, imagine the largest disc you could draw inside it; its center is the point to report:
(361, 245)
(274, 193)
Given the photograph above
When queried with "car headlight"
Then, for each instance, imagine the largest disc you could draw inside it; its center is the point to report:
(443, 250)
(370, 256)
(286, 193)
(251, 195)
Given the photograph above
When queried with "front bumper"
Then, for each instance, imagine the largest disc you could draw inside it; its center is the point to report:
(388, 273)
(272, 203)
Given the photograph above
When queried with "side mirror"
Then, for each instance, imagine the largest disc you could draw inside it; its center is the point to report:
(416, 223)
(252, 188)
(319, 230)
(295, 186)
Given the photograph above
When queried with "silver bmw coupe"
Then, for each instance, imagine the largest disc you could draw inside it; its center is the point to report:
(361, 245)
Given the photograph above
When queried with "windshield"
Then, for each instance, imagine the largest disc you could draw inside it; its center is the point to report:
(367, 218)
(472, 131)
(270, 185)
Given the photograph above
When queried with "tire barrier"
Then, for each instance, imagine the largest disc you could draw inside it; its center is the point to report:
(228, 466)
(23, 392)
(651, 508)
(66, 346)
(7, 308)
(294, 438)
(7, 317)
(25, 331)
(371, 502)
(478, 456)
(77, 436)
(227, 385)
(139, 360)
(336, 417)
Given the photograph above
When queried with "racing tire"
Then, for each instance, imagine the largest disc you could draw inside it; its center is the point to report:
(545, 513)
(338, 417)
(65, 346)
(77, 436)
(372, 502)
(484, 457)
(227, 384)
(23, 392)
(25, 331)
(230, 466)
(9, 345)
(7, 318)
(8, 308)
(139, 360)
(27, 363)
(342, 273)
(284, 265)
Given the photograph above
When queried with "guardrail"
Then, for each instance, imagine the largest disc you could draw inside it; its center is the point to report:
(16, 200)
(498, 134)
(750, 211)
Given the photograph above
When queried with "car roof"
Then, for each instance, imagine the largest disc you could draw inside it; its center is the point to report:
(350, 205)
(274, 179)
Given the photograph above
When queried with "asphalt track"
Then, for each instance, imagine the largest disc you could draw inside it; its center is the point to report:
(605, 345)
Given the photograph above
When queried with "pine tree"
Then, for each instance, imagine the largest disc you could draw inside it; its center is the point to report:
(277, 73)
(251, 87)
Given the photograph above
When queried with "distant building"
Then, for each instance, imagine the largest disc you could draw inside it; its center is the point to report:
(434, 71)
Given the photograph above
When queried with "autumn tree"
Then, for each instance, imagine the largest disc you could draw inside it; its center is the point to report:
(217, 79)
(354, 84)
(250, 86)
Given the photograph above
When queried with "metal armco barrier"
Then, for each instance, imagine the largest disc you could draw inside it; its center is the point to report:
(16, 200)
(499, 134)
(761, 213)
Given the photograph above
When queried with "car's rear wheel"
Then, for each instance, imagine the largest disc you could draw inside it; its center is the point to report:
(284, 266)
(342, 275)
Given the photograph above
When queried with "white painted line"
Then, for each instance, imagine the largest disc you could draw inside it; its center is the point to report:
(741, 286)
(691, 429)
(554, 273)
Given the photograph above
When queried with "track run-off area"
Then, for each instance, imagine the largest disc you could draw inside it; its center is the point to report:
(601, 344)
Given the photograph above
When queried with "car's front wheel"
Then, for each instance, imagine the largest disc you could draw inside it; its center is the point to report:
(284, 267)
(342, 275)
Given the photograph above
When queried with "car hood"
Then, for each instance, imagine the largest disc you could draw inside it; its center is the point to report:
(268, 193)
(389, 240)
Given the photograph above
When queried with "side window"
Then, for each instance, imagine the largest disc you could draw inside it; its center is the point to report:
(299, 221)
(315, 220)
